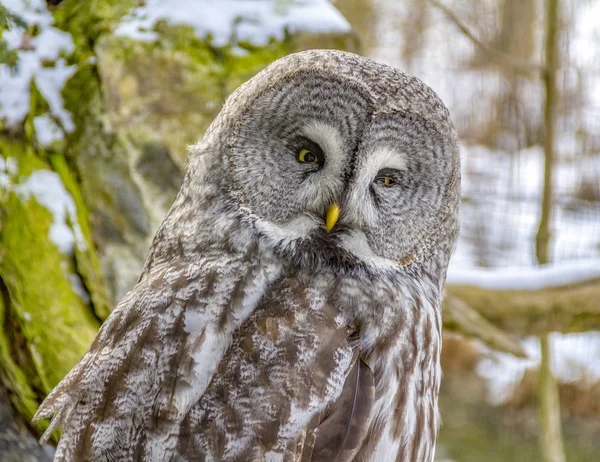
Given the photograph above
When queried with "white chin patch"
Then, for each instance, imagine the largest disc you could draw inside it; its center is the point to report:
(356, 243)
(286, 233)
(353, 241)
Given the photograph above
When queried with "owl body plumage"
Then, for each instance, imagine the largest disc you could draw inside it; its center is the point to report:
(253, 332)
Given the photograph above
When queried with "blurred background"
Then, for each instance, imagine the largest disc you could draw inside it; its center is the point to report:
(99, 99)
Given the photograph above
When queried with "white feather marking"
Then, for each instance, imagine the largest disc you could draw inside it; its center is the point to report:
(329, 139)
(387, 447)
(380, 158)
(410, 415)
(273, 456)
(328, 182)
(340, 320)
(356, 242)
(315, 298)
(332, 143)
(300, 416)
(194, 321)
(335, 381)
(216, 341)
(278, 234)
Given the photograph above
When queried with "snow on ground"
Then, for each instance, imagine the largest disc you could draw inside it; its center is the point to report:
(39, 60)
(256, 21)
(48, 190)
(522, 278)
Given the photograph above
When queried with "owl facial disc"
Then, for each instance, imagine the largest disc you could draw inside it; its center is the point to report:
(343, 168)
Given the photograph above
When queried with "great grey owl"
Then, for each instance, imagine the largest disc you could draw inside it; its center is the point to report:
(289, 308)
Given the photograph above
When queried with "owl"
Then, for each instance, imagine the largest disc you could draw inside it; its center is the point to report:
(290, 306)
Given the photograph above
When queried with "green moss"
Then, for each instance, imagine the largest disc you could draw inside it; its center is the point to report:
(86, 260)
(37, 106)
(183, 95)
(47, 327)
(21, 394)
(86, 21)
(242, 62)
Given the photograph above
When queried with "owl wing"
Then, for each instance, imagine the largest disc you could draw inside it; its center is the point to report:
(339, 435)
(291, 387)
(152, 360)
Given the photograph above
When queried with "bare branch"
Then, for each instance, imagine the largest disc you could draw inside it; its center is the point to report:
(570, 308)
(460, 317)
(504, 58)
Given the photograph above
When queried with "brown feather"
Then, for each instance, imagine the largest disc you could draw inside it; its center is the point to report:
(340, 435)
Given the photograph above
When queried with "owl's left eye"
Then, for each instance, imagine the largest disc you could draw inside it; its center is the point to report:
(385, 180)
(387, 177)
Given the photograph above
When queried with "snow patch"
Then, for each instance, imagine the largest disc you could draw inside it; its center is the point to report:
(8, 169)
(39, 60)
(46, 130)
(48, 190)
(520, 278)
(255, 21)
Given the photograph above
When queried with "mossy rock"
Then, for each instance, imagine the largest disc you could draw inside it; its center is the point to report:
(45, 306)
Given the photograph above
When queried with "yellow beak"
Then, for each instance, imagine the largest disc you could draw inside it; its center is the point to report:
(333, 214)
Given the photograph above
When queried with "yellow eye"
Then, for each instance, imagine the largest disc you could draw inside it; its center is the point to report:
(387, 177)
(307, 156)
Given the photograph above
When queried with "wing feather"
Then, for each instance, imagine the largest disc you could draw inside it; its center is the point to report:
(340, 435)
(152, 361)
(289, 383)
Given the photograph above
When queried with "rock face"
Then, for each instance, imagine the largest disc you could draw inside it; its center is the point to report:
(17, 443)
(95, 117)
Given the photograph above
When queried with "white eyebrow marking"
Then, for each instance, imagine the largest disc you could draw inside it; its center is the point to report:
(331, 141)
(377, 159)
(373, 161)
(326, 136)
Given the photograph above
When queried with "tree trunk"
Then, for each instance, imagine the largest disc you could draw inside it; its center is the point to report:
(551, 439)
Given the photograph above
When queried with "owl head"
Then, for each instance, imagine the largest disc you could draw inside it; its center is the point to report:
(335, 160)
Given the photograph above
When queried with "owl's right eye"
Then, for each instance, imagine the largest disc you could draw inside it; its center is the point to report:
(307, 156)
(310, 153)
